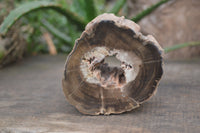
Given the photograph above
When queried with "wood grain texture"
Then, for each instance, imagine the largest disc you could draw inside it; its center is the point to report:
(31, 100)
(113, 33)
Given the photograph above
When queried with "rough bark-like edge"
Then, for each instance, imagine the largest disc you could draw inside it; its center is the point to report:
(123, 23)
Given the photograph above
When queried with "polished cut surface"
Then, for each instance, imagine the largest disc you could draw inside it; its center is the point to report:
(93, 86)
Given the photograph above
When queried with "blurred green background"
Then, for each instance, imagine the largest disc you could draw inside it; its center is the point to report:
(63, 33)
(52, 26)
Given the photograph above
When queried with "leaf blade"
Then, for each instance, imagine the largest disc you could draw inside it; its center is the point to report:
(35, 5)
(147, 11)
(116, 8)
(56, 32)
(179, 46)
(90, 10)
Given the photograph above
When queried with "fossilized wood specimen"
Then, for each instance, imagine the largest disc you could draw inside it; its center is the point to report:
(112, 68)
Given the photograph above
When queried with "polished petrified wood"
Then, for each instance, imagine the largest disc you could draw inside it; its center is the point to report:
(112, 68)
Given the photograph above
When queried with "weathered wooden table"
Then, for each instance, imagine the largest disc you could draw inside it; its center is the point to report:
(32, 101)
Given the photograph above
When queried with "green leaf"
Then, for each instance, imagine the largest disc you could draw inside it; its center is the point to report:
(56, 32)
(40, 48)
(74, 33)
(179, 46)
(78, 6)
(147, 11)
(1, 54)
(118, 5)
(100, 6)
(35, 5)
(90, 10)
(63, 3)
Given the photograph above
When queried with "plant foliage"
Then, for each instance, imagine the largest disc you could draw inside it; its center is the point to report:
(64, 20)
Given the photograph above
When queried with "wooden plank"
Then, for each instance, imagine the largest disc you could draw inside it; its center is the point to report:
(31, 100)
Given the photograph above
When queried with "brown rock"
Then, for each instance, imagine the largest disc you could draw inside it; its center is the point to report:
(175, 22)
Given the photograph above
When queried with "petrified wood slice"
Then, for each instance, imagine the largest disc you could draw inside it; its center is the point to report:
(112, 68)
